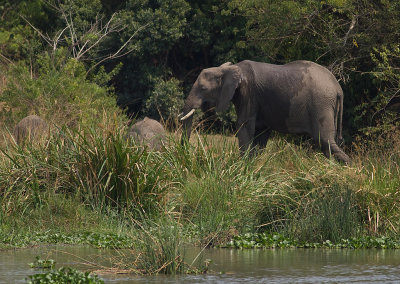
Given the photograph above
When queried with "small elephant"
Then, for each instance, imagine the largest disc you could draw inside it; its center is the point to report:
(300, 97)
(30, 128)
(148, 132)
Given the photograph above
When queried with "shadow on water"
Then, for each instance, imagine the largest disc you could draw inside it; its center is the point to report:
(228, 266)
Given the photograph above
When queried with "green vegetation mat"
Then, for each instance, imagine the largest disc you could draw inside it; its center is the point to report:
(98, 240)
(64, 275)
(266, 241)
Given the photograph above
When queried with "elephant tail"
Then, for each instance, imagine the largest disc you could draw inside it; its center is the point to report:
(339, 117)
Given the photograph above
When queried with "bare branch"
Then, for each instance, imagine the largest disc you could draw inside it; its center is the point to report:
(46, 38)
(81, 45)
(57, 38)
(106, 30)
(72, 33)
(117, 54)
(6, 59)
(352, 25)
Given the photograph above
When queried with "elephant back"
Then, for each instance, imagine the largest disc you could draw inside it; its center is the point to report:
(148, 132)
(30, 128)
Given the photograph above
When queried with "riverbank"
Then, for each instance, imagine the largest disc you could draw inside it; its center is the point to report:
(93, 184)
(227, 265)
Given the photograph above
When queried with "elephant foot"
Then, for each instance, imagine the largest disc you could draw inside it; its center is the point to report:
(342, 157)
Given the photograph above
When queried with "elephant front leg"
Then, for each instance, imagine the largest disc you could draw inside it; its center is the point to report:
(261, 137)
(245, 137)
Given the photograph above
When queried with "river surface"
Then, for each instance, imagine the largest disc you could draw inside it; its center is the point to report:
(228, 266)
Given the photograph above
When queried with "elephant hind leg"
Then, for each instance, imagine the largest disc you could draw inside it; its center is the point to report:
(324, 133)
(332, 149)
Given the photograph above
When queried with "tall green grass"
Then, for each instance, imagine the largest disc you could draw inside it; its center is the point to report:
(162, 248)
(287, 188)
(378, 162)
(215, 185)
(102, 168)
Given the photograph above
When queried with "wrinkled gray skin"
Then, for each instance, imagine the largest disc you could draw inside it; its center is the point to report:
(30, 128)
(148, 132)
(300, 97)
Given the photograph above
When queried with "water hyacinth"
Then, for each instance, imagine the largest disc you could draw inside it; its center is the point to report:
(268, 241)
(64, 275)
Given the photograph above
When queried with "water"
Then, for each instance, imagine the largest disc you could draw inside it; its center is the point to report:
(15, 268)
(230, 266)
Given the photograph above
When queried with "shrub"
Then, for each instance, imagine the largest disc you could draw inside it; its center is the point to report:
(165, 100)
(58, 91)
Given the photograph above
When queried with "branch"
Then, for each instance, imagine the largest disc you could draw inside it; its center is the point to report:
(117, 54)
(82, 50)
(46, 38)
(6, 59)
(57, 38)
(80, 46)
(352, 25)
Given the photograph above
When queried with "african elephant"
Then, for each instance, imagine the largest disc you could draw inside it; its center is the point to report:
(30, 128)
(300, 97)
(148, 132)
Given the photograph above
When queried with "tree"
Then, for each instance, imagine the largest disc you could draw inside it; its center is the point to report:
(340, 34)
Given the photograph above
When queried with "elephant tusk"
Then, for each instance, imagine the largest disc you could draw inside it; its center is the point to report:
(179, 115)
(188, 114)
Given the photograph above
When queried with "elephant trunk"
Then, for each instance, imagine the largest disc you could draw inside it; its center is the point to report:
(192, 102)
(187, 121)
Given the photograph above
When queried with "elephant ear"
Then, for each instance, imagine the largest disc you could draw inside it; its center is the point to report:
(231, 79)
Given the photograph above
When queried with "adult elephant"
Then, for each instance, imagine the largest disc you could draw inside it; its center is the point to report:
(300, 97)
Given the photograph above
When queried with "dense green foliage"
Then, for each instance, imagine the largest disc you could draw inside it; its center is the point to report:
(163, 45)
(59, 92)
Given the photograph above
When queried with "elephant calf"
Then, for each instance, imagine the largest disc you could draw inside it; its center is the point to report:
(300, 97)
(148, 132)
(30, 128)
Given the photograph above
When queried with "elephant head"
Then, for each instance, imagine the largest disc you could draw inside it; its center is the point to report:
(214, 88)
